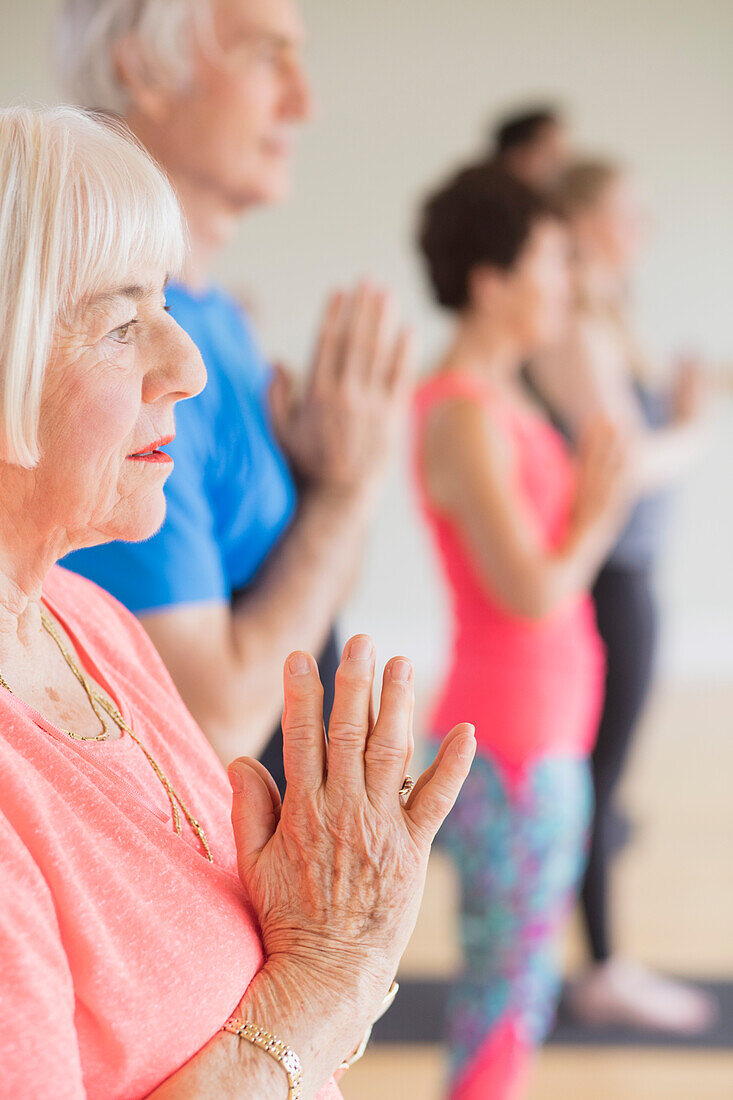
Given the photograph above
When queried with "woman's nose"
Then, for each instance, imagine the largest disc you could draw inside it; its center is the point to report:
(192, 371)
(179, 372)
(300, 95)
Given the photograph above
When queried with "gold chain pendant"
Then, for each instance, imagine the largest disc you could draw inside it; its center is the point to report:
(83, 737)
(101, 706)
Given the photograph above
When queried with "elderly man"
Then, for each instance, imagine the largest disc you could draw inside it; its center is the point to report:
(271, 493)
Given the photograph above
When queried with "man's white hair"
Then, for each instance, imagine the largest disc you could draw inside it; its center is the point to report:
(87, 32)
(82, 208)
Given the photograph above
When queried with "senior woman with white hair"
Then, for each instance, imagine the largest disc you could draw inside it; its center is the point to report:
(149, 946)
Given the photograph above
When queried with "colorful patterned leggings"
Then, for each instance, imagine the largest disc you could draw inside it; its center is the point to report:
(519, 849)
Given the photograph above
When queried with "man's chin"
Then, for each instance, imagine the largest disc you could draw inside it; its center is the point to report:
(272, 186)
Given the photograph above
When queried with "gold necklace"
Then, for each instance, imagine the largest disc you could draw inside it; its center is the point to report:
(99, 703)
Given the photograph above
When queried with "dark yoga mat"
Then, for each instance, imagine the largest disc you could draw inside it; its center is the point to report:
(417, 1017)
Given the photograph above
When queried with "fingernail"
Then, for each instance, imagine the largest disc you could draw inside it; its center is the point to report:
(400, 670)
(236, 780)
(360, 649)
(298, 664)
(466, 750)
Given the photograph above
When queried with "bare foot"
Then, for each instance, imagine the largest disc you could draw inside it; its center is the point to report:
(618, 992)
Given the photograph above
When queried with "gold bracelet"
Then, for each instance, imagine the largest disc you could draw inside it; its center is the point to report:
(359, 1052)
(287, 1058)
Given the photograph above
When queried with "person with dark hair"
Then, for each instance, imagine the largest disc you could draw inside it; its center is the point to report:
(600, 366)
(532, 145)
(521, 532)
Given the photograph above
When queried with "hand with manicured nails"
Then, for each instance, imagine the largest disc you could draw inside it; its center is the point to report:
(336, 874)
(339, 431)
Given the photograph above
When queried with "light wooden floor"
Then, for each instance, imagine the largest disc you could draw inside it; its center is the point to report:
(674, 905)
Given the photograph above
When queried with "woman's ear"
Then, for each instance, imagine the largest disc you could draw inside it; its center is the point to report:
(135, 75)
(484, 286)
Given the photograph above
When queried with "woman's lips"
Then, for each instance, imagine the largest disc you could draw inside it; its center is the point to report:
(154, 456)
(153, 452)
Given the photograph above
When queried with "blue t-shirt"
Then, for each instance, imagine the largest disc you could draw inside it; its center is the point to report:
(230, 495)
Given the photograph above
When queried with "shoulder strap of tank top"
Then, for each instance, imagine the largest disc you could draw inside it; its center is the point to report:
(441, 387)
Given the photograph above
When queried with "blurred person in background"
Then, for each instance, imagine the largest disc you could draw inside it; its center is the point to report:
(601, 368)
(521, 533)
(272, 491)
(533, 145)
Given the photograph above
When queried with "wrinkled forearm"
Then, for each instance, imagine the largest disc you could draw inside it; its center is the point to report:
(226, 1069)
(321, 1020)
(316, 1017)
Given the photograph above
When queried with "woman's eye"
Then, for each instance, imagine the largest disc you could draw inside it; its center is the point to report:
(120, 334)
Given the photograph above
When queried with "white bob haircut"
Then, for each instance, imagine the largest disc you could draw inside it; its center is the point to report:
(82, 206)
(87, 32)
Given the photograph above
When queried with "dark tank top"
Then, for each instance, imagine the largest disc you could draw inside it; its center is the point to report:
(641, 541)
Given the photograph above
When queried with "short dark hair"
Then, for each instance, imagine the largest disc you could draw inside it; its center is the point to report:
(523, 128)
(482, 215)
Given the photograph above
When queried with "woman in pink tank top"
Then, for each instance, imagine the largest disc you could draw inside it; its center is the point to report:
(520, 529)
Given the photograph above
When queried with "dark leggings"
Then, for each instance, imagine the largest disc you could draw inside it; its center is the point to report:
(627, 623)
(272, 755)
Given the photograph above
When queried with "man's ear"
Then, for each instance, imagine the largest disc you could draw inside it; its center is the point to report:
(147, 94)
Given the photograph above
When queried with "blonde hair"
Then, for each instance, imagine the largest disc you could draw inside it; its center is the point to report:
(583, 182)
(88, 30)
(579, 188)
(81, 206)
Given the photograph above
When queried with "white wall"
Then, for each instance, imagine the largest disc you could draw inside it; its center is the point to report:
(407, 86)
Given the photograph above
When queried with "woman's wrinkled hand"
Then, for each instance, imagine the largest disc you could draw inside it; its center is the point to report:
(336, 873)
(339, 429)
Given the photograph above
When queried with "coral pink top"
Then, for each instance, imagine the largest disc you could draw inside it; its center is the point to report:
(122, 949)
(531, 687)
